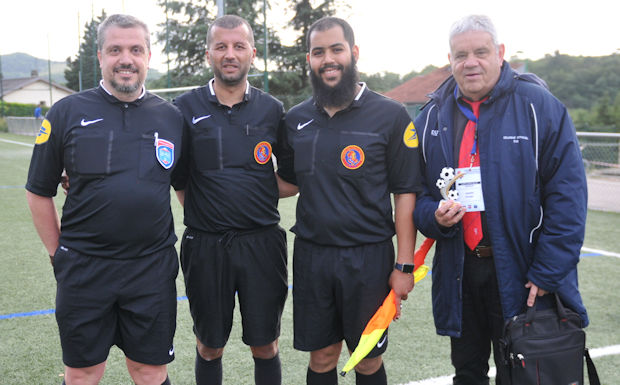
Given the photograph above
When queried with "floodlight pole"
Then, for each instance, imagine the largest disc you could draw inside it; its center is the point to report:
(221, 7)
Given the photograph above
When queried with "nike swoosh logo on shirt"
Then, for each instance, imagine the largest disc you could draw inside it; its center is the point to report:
(380, 343)
(85, 123)
(300, 126)
(196, 120)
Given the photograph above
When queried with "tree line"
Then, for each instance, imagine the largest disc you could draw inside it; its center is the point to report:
(588, 86)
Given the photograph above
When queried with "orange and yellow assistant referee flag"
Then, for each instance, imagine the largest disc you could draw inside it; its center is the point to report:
(385, 314)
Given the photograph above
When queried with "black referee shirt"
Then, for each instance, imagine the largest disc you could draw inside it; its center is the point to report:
(118, 205)
(227, 172)
(346, 167)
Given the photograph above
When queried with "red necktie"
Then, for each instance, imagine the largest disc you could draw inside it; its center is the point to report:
(472, 225)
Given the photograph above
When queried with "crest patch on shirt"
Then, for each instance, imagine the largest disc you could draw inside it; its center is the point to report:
(262, 152)
(410, 137)
(164, 152)
(44, 132)
(352, 157)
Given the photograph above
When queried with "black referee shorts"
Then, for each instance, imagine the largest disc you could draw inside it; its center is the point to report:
(337, 290)
(252, 264)
(102, 302)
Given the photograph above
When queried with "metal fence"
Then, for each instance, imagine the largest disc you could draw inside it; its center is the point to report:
(601, 159)
(600, 151)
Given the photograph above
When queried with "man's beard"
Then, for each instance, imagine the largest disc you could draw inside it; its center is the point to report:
(126, 88)
(231, 80)
(342, 93)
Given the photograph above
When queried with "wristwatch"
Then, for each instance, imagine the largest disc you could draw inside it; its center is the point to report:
(405, 267)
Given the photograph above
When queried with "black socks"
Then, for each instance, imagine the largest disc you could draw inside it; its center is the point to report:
(268, 371)
(208, 372)
(377, 378)
(327, 378)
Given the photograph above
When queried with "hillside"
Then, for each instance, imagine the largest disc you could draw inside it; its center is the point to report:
(20, 65)
(579, 81)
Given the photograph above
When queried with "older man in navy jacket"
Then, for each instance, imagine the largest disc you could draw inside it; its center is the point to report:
(516, 229)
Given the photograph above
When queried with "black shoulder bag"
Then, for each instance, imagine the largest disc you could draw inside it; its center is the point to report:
(547, 347)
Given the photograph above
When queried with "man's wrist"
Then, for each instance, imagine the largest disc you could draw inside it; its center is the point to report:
(406, 268)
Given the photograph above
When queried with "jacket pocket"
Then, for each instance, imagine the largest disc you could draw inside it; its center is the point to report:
(91, 154)
(305, 151)
(257, 148)
(356, 151)
(207, 153)
(150, 168)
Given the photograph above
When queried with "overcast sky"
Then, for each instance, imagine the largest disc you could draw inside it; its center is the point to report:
(393, 35)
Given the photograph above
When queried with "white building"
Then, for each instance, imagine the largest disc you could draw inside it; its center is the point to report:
(32, 90)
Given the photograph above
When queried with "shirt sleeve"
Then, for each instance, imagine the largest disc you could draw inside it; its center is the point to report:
(47, 160)
(285, 155)
(181, 172)
(402, 156)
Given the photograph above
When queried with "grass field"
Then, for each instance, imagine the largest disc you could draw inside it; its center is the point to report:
(30, 350)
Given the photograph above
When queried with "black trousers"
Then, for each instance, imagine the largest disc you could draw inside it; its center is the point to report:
(482, 326)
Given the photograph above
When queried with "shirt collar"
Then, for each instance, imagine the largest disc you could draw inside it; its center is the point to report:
(246, 96)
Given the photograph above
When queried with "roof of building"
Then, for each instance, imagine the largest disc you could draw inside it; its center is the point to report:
(11, 85)
(416, 89)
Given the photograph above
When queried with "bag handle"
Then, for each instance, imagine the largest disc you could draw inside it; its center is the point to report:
(531, 311)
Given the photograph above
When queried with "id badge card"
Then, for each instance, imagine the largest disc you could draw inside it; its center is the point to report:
(469, 188)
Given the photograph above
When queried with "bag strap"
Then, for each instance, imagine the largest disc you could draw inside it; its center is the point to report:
(592, 374)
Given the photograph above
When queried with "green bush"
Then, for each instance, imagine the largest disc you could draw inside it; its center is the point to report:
(20, 109)
(3, 126)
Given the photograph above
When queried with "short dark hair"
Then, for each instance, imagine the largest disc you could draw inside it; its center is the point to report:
(230, 22)
(328, 22)
(122, 21)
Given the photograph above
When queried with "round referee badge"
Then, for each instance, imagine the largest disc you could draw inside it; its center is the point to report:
(262, 152)
(352, 157)
(44, 132)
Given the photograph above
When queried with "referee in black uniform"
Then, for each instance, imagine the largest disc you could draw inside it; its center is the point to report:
(113, 250)
(352, 148)
(226, 181)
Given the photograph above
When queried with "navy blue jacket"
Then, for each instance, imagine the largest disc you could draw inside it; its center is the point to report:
(535, 195)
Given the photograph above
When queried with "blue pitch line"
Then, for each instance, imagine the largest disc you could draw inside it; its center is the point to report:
(28, 314)
(7, 187)
(184, 298)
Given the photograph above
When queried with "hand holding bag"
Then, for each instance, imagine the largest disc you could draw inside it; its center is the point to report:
(547, 347)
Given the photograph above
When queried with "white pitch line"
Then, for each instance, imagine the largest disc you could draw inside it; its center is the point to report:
(15, 142)
(604, 252)
(447, 380)
(605, 351)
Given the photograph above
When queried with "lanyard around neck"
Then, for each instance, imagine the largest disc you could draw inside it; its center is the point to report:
(469, 114)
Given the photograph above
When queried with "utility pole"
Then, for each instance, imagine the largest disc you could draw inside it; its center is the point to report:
(79, 56)
(266, 72)
(167, 47)
(49, 69)
(1, 89)
(221, 7)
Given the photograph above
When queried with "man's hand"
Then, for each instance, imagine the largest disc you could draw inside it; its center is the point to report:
(402, 284)
(449, 213)
(64, 181)
(534, 291)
